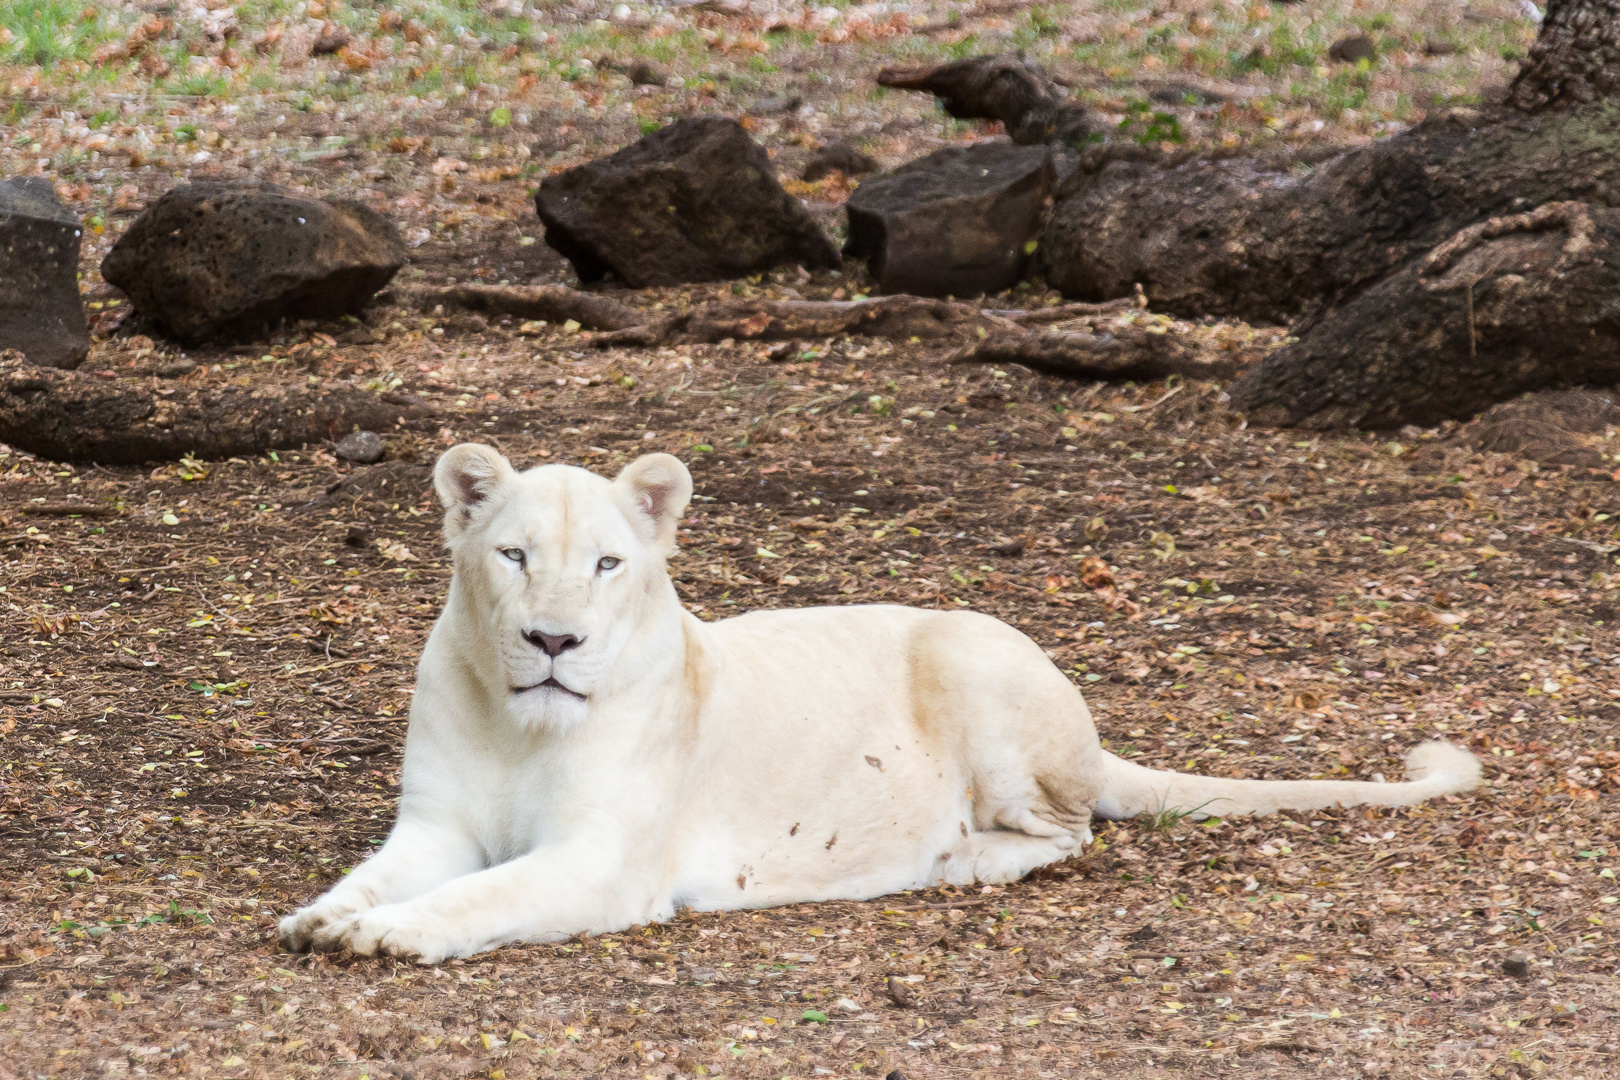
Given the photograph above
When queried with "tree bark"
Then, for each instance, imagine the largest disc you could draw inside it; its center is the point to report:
(1510, 304)
(1260, 241)
(1576, 57)
(74, 416)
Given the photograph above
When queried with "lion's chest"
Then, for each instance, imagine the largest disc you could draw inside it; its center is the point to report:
(508, 805)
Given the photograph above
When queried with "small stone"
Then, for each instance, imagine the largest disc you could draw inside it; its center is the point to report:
(1352, 50)
(41, 315)
(361, 447)
(1516, 966)
(176, 368)
(333, 37)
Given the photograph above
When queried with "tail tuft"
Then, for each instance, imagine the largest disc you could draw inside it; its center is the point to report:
(1446, 767)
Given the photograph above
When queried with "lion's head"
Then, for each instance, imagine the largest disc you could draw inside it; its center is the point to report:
(558, 572)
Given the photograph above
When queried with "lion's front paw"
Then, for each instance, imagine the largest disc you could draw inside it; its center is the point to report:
(396, 930)
(302, 930)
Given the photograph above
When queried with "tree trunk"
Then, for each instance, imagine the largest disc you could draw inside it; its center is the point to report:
(74, 416)
(1507, 305)
(1576, 57)
(1429, 275)
(1255, 240)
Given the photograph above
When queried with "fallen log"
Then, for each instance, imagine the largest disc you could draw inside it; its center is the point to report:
(83, 417)
(553, 303)
(1118, 353)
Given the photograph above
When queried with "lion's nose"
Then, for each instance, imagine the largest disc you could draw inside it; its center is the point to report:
(551, 644)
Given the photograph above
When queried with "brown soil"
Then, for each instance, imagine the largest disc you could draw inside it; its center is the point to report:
(200, 717)
(202, 725)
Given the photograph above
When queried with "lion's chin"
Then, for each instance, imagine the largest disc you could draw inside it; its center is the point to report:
(550, 684)
(546, 705)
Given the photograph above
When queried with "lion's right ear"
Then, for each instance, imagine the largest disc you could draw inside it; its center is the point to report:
(467, 477)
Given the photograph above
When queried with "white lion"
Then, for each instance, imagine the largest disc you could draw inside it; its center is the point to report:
(584, 755)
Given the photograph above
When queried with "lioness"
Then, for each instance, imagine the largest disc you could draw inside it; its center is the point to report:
(585, 755)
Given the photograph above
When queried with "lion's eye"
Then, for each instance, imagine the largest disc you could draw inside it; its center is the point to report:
(606, 563)
(515, 554)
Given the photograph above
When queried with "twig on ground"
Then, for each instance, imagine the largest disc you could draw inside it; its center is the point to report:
(554, 303)
(781, 320)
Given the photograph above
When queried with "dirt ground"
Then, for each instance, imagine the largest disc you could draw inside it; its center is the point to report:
(205, 668)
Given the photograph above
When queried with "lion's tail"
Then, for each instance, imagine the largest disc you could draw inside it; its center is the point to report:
(1432, 768)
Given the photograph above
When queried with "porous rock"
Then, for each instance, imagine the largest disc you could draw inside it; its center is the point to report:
(694, 201)
(958, 222)
(41, 314)
(224, 260)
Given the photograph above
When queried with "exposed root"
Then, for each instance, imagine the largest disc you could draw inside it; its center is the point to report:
(1573, 217)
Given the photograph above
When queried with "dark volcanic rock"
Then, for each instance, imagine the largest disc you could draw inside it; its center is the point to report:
(958, 222)
(695, 201)
(223, 260)
(837, 156)
(41, 314)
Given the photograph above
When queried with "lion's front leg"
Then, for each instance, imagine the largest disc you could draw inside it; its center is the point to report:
(416, 859)
(548, 895)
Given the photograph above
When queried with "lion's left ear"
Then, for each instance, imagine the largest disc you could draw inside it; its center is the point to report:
(659, 488)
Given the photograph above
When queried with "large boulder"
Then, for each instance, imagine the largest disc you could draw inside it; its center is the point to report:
(225, 260)
(694, 201)
(958, 222)
(41, 314)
